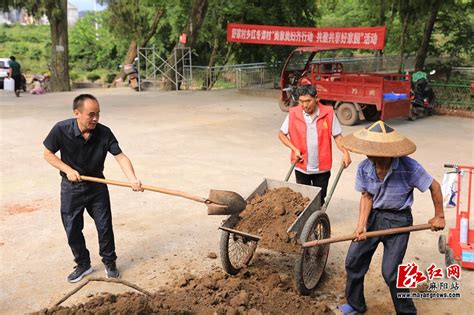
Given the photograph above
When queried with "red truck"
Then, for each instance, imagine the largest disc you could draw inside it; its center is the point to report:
(354, 95)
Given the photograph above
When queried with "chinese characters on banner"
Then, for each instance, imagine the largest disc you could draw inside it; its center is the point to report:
(408, 275)
(342, 37)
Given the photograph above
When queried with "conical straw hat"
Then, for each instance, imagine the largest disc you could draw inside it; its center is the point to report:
(379, 139)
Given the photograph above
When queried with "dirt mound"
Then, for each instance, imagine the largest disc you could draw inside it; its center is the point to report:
(264, 288)
(270, 216)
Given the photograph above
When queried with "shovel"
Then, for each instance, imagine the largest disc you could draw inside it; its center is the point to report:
(219, 202)
(352, 236)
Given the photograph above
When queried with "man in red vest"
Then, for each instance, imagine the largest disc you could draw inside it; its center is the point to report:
(307, 131)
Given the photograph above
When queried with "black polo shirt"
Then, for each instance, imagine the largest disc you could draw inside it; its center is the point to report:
(85, 156)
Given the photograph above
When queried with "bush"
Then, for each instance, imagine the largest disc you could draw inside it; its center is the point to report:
(93, 77)
(73, 76)
(110, 77)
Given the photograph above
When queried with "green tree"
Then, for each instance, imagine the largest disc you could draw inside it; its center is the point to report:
(268, 12)
(92, 49)
(455, 30)
(423, 51)
(135, 21)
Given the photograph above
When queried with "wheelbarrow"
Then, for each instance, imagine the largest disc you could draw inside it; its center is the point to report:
(237, 247)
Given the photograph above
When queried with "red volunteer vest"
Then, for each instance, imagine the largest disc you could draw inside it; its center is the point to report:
(297, 133)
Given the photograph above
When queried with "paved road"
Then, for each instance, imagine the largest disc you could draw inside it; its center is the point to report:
(191, 141)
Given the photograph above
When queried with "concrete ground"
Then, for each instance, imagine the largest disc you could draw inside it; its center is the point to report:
(190, 141)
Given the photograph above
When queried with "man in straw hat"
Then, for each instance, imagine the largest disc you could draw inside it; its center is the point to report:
(386, 180)
(307, 131)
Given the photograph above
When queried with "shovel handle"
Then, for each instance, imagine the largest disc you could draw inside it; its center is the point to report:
(352, 236)
(146, 187)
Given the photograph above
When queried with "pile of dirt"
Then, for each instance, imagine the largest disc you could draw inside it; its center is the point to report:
(264, 288)
(270, 215)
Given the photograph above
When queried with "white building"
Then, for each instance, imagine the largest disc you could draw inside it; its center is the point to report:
(72, 14)
(22, 17)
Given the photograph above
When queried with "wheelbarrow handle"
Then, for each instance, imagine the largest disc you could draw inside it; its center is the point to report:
(352, 236)
(146, 187)
(450, 165)
(291, 169)
(333, 187)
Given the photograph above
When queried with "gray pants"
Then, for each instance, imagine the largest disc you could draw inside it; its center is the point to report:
(360, 254)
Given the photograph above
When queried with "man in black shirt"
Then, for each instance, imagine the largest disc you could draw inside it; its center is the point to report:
(84, 144)
(15, 72)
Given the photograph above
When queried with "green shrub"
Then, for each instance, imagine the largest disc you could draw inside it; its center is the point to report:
(92, 77)
(4, 37)
(73, 76)
(110, 77)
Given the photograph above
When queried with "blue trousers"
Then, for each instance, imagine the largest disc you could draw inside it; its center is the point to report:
(93, 197)
(360, 255)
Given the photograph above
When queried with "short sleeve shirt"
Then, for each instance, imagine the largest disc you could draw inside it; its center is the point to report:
(395, 191)
(85, 156)
(16, 68)
(312, 139)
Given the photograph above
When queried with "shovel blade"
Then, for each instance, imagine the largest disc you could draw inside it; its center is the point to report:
(225, 203)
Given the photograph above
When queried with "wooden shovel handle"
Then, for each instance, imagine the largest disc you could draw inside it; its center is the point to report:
(146, 187)
(350, 237)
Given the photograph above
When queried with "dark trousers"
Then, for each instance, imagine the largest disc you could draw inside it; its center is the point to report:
(94, 197)
(17, 79)
(360, 254)
(320, 180)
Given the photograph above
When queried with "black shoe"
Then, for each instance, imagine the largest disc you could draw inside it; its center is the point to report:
(79, 272)
(111, 270)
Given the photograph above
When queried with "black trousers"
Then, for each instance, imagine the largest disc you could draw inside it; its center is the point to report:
(93, 197)
(360, 254)
(17, 79)
(320, 180)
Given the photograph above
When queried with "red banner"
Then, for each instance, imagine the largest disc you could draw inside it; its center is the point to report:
(337, 37)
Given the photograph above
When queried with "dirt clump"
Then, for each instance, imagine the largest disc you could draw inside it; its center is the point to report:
(270, 215)
(264, 288)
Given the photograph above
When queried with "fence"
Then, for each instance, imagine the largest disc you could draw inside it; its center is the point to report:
(457, 96)
(233, 76)
(263, 75)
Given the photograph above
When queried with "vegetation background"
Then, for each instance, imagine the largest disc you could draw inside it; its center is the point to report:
(96, 55)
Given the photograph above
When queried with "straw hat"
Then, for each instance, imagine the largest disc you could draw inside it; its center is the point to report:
(379, 139)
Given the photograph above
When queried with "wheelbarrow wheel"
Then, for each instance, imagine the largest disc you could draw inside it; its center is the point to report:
(236, 252)
(310, 265)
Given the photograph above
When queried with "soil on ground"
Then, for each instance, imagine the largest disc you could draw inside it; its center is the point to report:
(270, 215)
(266, 287)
